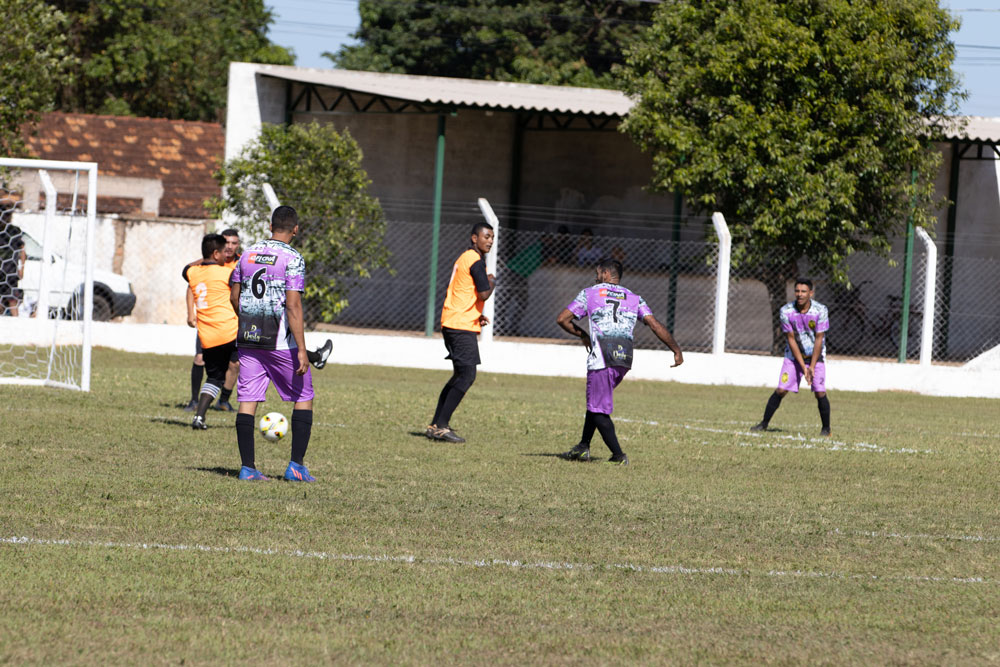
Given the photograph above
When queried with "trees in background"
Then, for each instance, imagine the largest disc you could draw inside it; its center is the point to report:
(34, 64)
(532, 41)
(317, 171)
(801, 121)
(160, 58)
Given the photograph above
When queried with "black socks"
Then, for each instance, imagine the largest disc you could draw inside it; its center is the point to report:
(244, 439)
(302, 421)
(606, 427)
(197, 373)
(773, 403)
(823, 403)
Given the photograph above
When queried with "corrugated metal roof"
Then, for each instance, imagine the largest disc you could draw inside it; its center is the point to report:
(462, 92)
(503, 95)
(977, 128)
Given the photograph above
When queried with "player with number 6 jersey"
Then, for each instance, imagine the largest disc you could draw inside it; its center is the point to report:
(267, 287)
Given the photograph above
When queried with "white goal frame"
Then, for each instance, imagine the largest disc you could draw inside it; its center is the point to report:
(42, 328)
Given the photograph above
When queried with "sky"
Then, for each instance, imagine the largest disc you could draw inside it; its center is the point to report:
(310, 27)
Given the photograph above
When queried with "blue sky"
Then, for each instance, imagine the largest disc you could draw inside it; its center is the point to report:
(310, 27)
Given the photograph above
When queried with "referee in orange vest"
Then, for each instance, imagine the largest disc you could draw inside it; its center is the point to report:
(461, 321)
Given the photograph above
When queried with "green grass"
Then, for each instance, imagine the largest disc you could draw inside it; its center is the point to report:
(882, 546)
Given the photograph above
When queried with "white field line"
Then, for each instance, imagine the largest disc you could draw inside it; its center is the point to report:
(823, 444)
(499, 562)
(915, 536)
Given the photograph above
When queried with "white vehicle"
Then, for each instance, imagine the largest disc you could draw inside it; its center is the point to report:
(113, 296)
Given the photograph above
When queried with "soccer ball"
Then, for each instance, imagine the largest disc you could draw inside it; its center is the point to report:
(273, 426)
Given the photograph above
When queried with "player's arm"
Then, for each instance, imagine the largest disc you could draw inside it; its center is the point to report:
(567, 320)
(234, 296)
(189, 301)
(663, 334)
(293, 307)
(793, 345)
(21, 261)
(485, 283)
(817, 350)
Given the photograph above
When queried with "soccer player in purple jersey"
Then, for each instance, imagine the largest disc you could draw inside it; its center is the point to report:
(613, 311)
(267, 286)
(805, 323)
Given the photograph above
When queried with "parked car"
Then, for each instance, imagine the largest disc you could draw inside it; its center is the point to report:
(113, 296)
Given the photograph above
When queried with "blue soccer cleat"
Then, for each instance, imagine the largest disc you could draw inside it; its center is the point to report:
(296, 472)
(252, 475)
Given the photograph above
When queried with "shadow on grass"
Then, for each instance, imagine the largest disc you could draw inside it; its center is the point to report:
(186, 422)
(222, 472)
(560, 456)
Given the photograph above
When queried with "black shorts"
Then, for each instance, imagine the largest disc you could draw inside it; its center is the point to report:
(463, 346)
(217, 361)
(234, 359)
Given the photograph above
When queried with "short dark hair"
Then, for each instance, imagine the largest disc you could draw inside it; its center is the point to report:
(479, 226)
(284, 219)
(230, 232)
(612, 265)
(804, 281)
(210, 243)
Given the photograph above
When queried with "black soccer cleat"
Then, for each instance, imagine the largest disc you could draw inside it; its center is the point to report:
(824, 433)
(224, 406)
(324, 354)
(759, 427)
(619, 459)
(192, 406)
(580, 452)
(199, 424)
(443, 434)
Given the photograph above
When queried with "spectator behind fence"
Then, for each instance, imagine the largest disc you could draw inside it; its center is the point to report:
(12, 259)
(588, 254)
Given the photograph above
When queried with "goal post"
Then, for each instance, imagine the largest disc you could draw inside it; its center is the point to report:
(47, 275)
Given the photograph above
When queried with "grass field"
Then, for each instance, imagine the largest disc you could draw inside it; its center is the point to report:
(126, 537)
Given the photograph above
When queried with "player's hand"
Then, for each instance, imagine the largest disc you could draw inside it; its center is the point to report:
(483, 320)
(678, 359)
(809, 375)
(492, 279)
(193, 322)
(303, 362)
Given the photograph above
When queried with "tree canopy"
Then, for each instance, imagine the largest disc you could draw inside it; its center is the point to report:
(161, 58)
(317, 171)
(34, 62)
(801, 121)
(561, 42)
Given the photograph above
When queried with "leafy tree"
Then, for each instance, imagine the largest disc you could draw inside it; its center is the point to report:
(33, 65)
(799, 120)
(562, 42)
(317, 171)
(162, 58)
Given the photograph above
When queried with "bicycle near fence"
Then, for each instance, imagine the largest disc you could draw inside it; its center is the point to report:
(861, 329)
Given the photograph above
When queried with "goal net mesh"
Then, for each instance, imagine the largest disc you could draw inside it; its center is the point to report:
(44, 324)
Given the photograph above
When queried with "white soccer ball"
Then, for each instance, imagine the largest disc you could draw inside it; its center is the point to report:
(273, 426)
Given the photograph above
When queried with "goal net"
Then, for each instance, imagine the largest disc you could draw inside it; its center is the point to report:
(47, 227)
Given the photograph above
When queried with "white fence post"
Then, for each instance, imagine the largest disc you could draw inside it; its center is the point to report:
(930, 287)
(489, 308)
(721, 283)
(272, 199)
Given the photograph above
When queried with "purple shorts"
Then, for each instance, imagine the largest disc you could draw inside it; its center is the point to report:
(601, 388)
(792, 374)
(258, 367)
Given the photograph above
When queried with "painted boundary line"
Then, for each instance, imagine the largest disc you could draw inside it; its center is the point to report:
(500, 562)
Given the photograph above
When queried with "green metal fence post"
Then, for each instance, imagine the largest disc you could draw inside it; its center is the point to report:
(435, 229)
(904, 319)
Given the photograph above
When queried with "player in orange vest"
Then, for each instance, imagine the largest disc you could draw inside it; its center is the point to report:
(217, 321)
(461, 321)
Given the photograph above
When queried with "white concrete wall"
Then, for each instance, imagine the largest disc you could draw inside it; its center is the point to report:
(568, 360)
